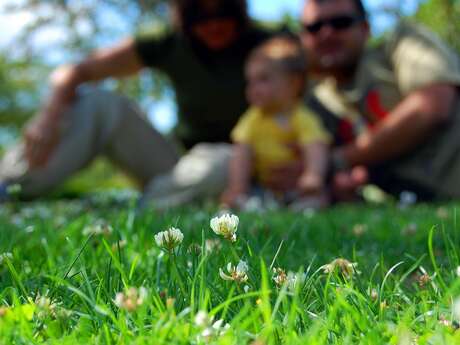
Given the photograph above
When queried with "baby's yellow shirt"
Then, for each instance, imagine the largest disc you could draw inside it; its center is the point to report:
(271, 137)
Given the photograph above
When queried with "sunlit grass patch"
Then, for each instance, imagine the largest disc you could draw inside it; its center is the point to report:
(97, 272)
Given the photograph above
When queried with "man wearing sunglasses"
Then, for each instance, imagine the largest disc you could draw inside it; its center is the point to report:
(393, 107)
(203, 54)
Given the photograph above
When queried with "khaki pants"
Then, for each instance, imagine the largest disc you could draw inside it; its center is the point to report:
(201, 173)
(103, 123)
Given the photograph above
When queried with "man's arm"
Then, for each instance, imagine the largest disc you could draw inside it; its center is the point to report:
(410, 122)
(42, 134)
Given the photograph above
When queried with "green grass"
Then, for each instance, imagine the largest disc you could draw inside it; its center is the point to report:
(100, 175)
(402, 294)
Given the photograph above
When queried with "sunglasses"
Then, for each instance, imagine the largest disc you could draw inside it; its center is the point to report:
(337, 23)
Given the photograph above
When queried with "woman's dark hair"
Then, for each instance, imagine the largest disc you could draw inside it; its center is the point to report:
(188, 12)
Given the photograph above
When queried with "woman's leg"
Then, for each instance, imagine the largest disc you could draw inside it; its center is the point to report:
(200, 174)
(98, 123)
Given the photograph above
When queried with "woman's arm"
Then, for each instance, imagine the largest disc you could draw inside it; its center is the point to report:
(42, 133)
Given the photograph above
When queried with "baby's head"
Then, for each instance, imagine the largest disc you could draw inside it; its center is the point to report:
(276, 74)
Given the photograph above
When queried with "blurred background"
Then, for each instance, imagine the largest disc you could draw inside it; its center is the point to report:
(38, 35)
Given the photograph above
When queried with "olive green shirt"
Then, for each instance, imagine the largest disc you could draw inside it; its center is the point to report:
(209, 87)
(408, 59)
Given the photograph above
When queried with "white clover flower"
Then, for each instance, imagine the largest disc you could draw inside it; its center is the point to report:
(373, 294)
(345, 267)
(131, 299)
(99, 228)
(46, 308)
(456, 309)
(291, 279)
(442, 213)
(169, 239)
(279, 276)
(226, 226)
(237, 274)
(43, 302)
(219, 328)
(214, 331)
(4, 256)
(210, 330)
(407, 338)
(212, 245)
(202, 319)
(294, 280)
(207, 334)
(409, 230)
(119, 244)
(359, 229)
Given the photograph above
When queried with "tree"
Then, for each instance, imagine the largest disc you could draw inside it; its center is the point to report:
(83, 26)
(443, 17)
(19, 89)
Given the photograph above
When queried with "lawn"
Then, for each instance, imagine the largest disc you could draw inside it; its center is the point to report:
(91, 271)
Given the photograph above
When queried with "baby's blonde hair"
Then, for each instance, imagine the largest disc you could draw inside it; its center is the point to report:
(284, 52)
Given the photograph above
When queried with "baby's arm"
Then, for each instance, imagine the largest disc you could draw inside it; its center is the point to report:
(239, 175)
(316, 157)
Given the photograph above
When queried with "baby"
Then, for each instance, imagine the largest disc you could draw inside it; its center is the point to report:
(276, 122)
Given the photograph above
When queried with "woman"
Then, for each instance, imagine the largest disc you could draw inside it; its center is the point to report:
(203, 54)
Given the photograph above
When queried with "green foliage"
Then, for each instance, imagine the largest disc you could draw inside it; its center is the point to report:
(85, 26)
(100, 175)
(59, 285)
(443, 17)
(19, 89)
(85, 23)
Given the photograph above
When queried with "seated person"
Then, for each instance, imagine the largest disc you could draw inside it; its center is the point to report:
(393, 107)
(203, 53)
(275, 123)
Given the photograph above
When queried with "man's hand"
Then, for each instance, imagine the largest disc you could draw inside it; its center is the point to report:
(346, 183)
(414, 119)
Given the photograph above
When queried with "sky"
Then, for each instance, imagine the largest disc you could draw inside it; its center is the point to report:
(10, 25)
(162, 113)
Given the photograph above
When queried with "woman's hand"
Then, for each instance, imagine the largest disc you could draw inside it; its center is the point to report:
(41, 136)
(42, 133)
